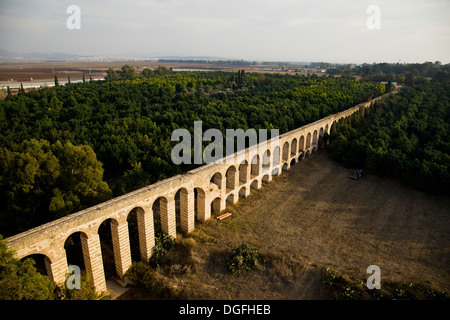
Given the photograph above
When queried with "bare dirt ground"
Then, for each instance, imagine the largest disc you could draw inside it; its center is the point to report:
(314, 216)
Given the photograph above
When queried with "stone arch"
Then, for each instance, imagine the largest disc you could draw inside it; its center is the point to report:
(199, 204)
(276, 156)
(216, 205)
(164, 214)
(134, 234)
(301, 145)
(109, 253)
(293, 147)
(315, 140)
(254, 166)
(230, 177)
(141, 231)
(275, 171)
(184, 210)
(73, 246)
(156, 209)
(292, 162)
(216, 180)
(285, 151)
(255, 184)
(230, 199)
(243, 192)
(266, 178)
(308, 140)
(266, 160)
(321, 132)
(88, 256)
(243, 172)
(285, 167)
(326, 129)
(42, 263)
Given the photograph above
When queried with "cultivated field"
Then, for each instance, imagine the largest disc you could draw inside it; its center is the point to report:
(314, 216)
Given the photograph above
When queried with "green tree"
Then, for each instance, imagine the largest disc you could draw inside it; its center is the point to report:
(147, 72)
(19, 280)
(127, 72)
(409, 80)
(43, 181)
(80, 181)
(111, 75)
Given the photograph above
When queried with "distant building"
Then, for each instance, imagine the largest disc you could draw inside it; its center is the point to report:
(385, 82)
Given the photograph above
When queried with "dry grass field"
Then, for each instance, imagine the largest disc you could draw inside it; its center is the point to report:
(314, 216)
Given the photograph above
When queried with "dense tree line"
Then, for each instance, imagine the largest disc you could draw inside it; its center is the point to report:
(396, 72)
(212, 62)
(407, 136)
(56, 142)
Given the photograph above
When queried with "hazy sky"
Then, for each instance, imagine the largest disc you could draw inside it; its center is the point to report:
(282, 30)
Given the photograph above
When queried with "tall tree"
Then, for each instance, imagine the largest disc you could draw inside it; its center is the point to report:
(19, 280)
(111, 75)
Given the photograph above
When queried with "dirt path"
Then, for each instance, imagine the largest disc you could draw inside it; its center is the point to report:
(314, 216)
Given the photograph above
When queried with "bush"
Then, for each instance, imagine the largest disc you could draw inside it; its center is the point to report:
(144, 277)
(152, 282)
(345, 287)
(86, 292)
(242, 258)
(163, 244)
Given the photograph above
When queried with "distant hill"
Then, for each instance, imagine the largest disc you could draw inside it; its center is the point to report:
(7, 53)
(37, 55)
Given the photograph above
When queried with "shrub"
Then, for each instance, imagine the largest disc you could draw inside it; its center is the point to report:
(242, 258)
(345, 287)
(143, 276)
(86, 292)
(163, 244)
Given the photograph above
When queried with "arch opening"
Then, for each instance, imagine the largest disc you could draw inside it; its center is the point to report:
(285, 151)
(276, 156)
(292, 162)
(230, 199)
(159, 209)
(315, 138)
(181, 206)
(231, 177)
(266, 160)
(243, 170)
(294, 147)
(308, 141)
(106, 244)
(199, 204)
(243, 192)
(254, 172)
(133, 232)
(41, 263)
(216, 206)
(255, 185)
(301, 145)
(216, 181)
(74, 250)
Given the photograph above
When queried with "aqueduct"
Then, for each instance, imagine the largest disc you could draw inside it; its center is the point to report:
(199, 192)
